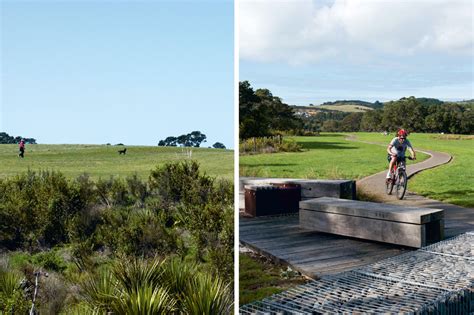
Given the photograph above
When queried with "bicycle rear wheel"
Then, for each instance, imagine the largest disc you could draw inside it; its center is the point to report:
(401, 185)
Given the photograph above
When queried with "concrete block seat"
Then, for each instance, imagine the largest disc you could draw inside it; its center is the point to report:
(310, 188)
(408, 226)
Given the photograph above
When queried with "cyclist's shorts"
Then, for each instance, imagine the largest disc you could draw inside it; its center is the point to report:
(399, 157)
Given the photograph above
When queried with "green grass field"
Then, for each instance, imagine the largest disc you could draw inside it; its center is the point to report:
(101, 161)
(331, 156)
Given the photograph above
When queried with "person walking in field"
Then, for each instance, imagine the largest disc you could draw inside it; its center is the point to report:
(396, 149)
(22, 148)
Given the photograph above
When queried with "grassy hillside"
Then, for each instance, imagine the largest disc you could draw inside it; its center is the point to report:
(104, 161)
(348, 108)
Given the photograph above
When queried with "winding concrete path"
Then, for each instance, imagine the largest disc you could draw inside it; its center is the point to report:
(457, 219)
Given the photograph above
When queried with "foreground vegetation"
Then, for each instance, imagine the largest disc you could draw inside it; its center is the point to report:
(102, 161)
(120, 246)
(260, 277)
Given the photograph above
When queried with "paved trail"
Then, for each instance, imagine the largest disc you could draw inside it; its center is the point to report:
(457, 219)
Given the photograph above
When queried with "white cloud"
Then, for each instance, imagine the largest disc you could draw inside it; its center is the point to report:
(302, 31)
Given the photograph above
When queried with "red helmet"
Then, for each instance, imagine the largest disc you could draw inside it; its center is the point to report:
(402, 133)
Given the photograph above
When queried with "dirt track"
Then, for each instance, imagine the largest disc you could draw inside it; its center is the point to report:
(457, 219)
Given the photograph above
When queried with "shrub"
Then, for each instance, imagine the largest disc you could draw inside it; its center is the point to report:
(268, 145)
(113, 192)
(49, 260)
(135, 286)
(35, 208)
(180, 182)
(12, 297)
(207, 295)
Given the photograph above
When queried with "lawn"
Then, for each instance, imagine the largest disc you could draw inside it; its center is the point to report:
(104, 161)
(328, 156)
(453, 182)
(331, 156)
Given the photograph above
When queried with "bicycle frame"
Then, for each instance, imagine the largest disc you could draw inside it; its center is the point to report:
(398, 178)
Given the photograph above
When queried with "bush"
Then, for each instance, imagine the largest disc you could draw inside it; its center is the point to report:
(268, 145)
(35, 209)
(135, 286)
(12, 297)
(178, 210)
(180, 182)
(49, 260)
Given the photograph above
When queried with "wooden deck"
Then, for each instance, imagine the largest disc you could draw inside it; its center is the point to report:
(313, 254)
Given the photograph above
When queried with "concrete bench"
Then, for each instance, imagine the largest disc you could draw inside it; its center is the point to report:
(408, 226)
(310, 188)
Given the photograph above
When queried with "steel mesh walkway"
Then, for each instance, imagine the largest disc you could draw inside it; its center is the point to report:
(437, 279)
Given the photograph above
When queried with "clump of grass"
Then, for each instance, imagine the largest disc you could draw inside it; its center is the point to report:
(259, 278)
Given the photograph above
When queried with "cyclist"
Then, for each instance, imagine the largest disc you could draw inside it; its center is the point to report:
(396, 149)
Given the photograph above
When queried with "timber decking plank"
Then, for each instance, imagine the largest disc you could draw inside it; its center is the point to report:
(311, 253)
(347, 250)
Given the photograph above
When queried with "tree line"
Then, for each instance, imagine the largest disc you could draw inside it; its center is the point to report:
(409, 113)
(192, 139)
(5, 138)
(263, 115)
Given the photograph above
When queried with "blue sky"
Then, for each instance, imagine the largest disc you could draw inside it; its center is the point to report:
(104, 71)
(309, 51)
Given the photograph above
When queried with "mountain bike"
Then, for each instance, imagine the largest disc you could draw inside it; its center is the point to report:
(399, 178)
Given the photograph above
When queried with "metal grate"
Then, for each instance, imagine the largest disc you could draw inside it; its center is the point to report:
(436, 279)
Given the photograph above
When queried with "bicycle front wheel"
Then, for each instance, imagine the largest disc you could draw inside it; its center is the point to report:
(389, 186)
(401, 185)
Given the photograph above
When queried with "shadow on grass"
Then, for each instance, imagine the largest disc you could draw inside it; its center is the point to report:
(450, 193)
(331, 135)
(266, 165)
(326, 145)
(461, 197)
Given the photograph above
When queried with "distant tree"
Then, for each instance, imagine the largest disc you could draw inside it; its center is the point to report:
(331, 126)
(183, 140)
(254, 120)
(371, 120)
(351, 122)
(5, 138)
(262, 114)
(168, 142)
(466, 124)
(377, 105)
(193, 139)
(218, 145)
(196, 138)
